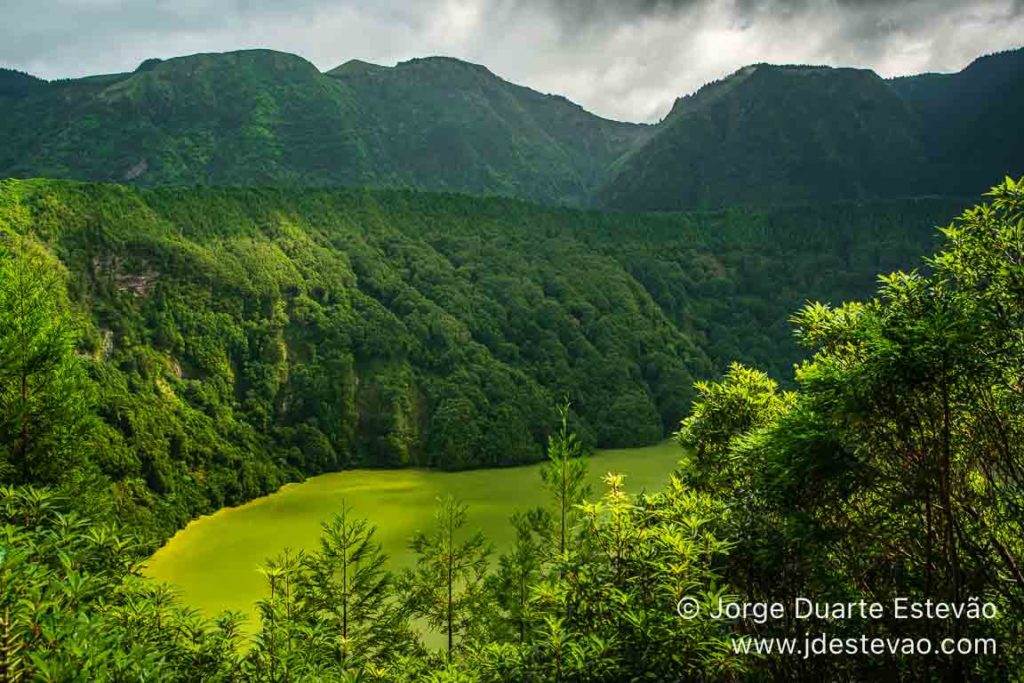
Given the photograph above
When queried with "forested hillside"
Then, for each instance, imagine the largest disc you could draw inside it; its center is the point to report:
(769, 134)
(264, 117)
(239, 338)
(969, 120)
(763, 135)
(776, 134)
(888, 475)
(444, 124)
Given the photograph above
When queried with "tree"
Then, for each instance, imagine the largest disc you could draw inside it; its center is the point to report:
(43, 391)
(564, 475)
(520, 569)
(446, 587)
(73, 606)
(349, 591)
(725, 411)
(894, 469)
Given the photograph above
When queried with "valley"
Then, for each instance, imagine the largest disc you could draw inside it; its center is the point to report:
(563, 374)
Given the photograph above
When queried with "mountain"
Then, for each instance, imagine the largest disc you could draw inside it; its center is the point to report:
(441, 123)
(241, 337)
(246, 117)
(971, 121)
(260, 117)
(769, 134)
(763, 135)
(17, 84)
(774, 134)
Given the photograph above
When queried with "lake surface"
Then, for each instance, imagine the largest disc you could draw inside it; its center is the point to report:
(214, 561)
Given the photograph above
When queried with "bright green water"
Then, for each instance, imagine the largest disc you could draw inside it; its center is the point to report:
(213, 561)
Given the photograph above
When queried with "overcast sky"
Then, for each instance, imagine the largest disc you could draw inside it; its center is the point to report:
(624, 59)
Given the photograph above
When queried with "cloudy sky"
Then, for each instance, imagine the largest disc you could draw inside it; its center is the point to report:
(624, 59)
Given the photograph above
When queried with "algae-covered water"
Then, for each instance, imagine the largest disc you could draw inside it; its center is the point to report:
(214, 561)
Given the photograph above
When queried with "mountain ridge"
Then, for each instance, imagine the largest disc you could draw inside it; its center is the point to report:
(764, 134)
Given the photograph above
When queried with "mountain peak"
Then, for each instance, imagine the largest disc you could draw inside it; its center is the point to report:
(442, 63)
(355, 66)
(270, 60)
(15, 83)
(779, 75)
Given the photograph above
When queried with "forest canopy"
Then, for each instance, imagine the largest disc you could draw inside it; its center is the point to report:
(230, 340)
(889, 468)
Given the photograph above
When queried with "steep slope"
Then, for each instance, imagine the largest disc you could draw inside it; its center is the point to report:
(245, 117)
(769, 134)
(444, 124)
(776, 134)
(260, 117)
(972, 121)
(766, 134)
(18, 84)
(239, 338)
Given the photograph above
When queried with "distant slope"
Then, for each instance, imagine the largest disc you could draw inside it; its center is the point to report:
(973, 121)
(17, 84)
(443, 124)
(254, 117)
(242, 337)
(260, 117)
(763, 135)
(776, 134)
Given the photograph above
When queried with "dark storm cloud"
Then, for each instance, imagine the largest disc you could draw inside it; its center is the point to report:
(620, 58)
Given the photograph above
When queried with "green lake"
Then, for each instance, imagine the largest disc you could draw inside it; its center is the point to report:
(214, 561)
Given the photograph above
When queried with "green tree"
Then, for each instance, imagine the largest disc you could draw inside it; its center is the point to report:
(281, 649)
(519, 570)
(894, 469)
(564, 475)
(348, 591)
(44, 396)
(742, 401)
(446, 588)
(73, 606)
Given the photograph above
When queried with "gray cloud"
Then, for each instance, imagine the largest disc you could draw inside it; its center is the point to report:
(619, 58)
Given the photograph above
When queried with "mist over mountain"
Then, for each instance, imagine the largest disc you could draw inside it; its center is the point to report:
(765, 134)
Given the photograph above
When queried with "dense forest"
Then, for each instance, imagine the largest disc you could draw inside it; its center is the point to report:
(233, 340)
(763, 135)
(222, 273)
(887, 467)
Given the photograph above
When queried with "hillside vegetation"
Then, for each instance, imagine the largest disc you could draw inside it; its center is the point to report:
(888, 475)
(239, 338)
(763, 135)
(260, 117)
(768, 134)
